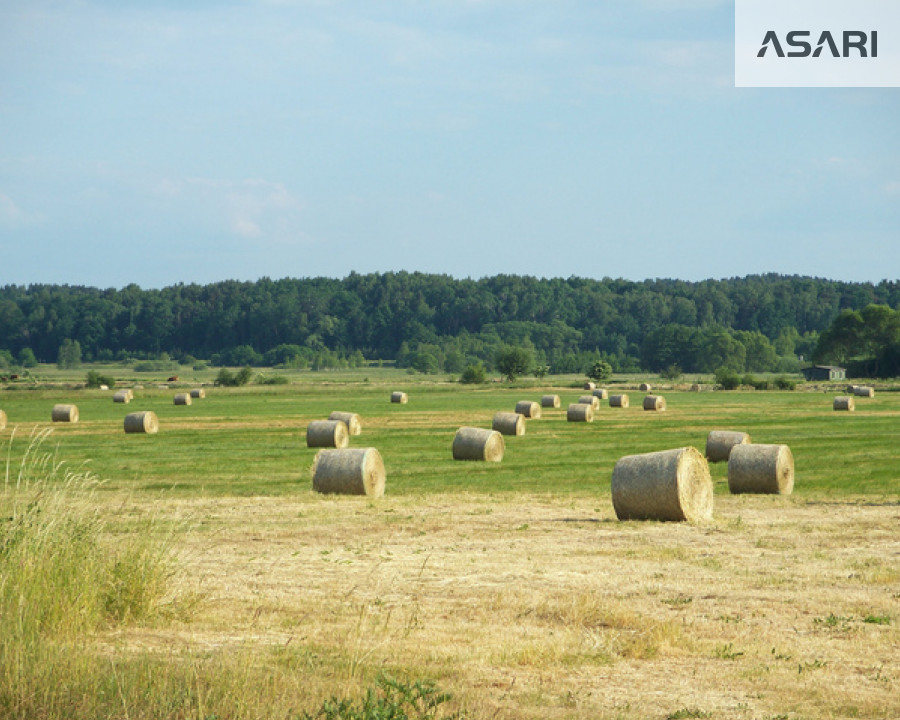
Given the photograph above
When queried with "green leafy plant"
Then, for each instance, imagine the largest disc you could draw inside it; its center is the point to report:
(388, 700)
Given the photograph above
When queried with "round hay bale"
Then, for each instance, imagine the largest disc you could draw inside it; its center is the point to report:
(601, 394)
(509, 423)
(864, 391)
(2, 420)
(142, 422)
(529, 409)
(666, 485)
(65, 413)
(580, 412)
(654, 402)
(198, 393)
(619, 401)
(550, 401)
(472, 443)
(399, 397)
(122, 396)
(591, 400)
(720, 442)
(182, 399)
(852, 389)
(696, 387)
(590, 386)
(761, 469)
(353, 471)
(844, 402)
(327, 434)
(644, 387)
(350, 419)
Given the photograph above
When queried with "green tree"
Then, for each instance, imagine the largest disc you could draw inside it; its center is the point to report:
(600, 371)
(69, 355)
(474, 374)
(514, 361)
(27, 358)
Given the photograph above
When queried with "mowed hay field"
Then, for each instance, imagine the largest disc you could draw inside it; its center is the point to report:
(511, 585)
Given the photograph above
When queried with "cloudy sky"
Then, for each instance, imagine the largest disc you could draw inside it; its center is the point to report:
(168, 141)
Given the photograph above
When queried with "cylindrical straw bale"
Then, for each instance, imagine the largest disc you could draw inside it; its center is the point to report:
(352, 471)
(696, 387)
(529, 409)
(720, 442)
(550, 401)
(65, 413)
(761, 469)
(864, 391)
(665, 485)
(654, 402)
(580, 412)
(591, 400)
(350, 419)
(327, 433)
(509, 423)
(644, 387)
(122, 396)
(619, 401)
(399, 397)
(182, 399)
(601, 393)
(852, 389)
(198, 393)
(590, 386)
(472, 443)
(141, 422)
(2, 419)
(844, 402)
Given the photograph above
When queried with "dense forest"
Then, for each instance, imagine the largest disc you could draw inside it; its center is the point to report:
(439, 323)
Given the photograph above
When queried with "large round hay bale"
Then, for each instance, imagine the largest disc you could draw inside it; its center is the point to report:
(864, 391)
(580, 412)
(844, 402)
(654, 402)
(141, 422)
(665, 485)
(198, 393)
(182, 399)
(65, 413)
(529, 409)
(399, 397)
(349, 471)
(720, 442)
(327, 433)
(591, 400)
(509, 423)
(123, 396)
(350, 419)
(761, 469)
(645, 387)
(601, 393)
(472, 443)
(2, 420)
(619, 401)
(590, 386)
(550, 401)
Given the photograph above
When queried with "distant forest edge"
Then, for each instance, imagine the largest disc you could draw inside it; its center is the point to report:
(436, 323)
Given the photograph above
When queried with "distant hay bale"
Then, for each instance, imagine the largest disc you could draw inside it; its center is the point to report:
(601, 393)
(591, 400)
(580, 412)
(720, 442)
(864, 391)
(761, 469)
(644, 387)
(2, 420)
(529, 409)
(354, 471)
(696, 387)
(590, 386)
(65, 413)
(472, 443)
(666, 485)
(198, 393)
(350, 419)
(509, 423)
(654, 402)
(399, 397)
(327, 433)
(852, 389)
(182, 399)
(123, 396)
(550, 401)
(619, 401)
(141, 422)
(844, 402)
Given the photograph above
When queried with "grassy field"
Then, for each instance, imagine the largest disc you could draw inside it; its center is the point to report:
(511, 586)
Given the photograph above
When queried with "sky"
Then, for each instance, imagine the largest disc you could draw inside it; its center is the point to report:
(171, 141)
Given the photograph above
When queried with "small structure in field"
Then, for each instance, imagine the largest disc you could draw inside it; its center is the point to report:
(824, 372)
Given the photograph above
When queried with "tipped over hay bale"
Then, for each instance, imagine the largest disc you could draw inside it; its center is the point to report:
(844, 402)
(761, 469)
(645, 387)
(667, 485)
(2, 420)
(601, 393)
(654, 402)
(591, 400)
(65, 413)
(356, 471)
(720, 442)
(399, 397)
(580, 412)
(182, 399)
(141, 422)
(198, 393)
(471, 443)
(619, 401)
(590, 386)
(864, 391)
(327, 433)
(123, 396)
(550, 401)
(351, 420)
(509, 423)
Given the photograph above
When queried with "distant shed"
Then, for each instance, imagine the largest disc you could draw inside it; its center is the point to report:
(825, 372)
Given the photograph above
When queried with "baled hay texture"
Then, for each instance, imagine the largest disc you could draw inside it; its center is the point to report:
(864, 391)
(399, 397)
(654, 402)
(529, 409)
(356, 471)
(471, 443)
(550, 401)
(2, 420)
(327, 433)
(720, 442)
(644, 387)
(696, 388)
(844, 402)
(580, 412)
(601, 393)
(509, 423)
(122, 396)
(351, 420)
(198, 393)
(761, 469)
(619, 401)
(141, 422)
(590, 386)
(183, 399)
(591, 400)
(666, 485)
(65, 413)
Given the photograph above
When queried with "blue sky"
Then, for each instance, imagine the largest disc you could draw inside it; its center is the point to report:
(163, 142)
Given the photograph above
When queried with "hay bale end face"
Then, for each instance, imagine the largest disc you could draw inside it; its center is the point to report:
(667, 485)
(550, 401)
(529, 409)
(327, 434)
(645, 387)
(399, 397)
(2, 420)
(601, 393)
(471, 443)
(350, 419)
(182, 399)
(509, 423)
(761, 469)
(65, 413)
(720, 442)
(591, 400)
(844, 402)
(349, 471)
(142, 422)
(654, 402)
(619, 401)
(198, 393)
(123, 396)
(580, 412)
